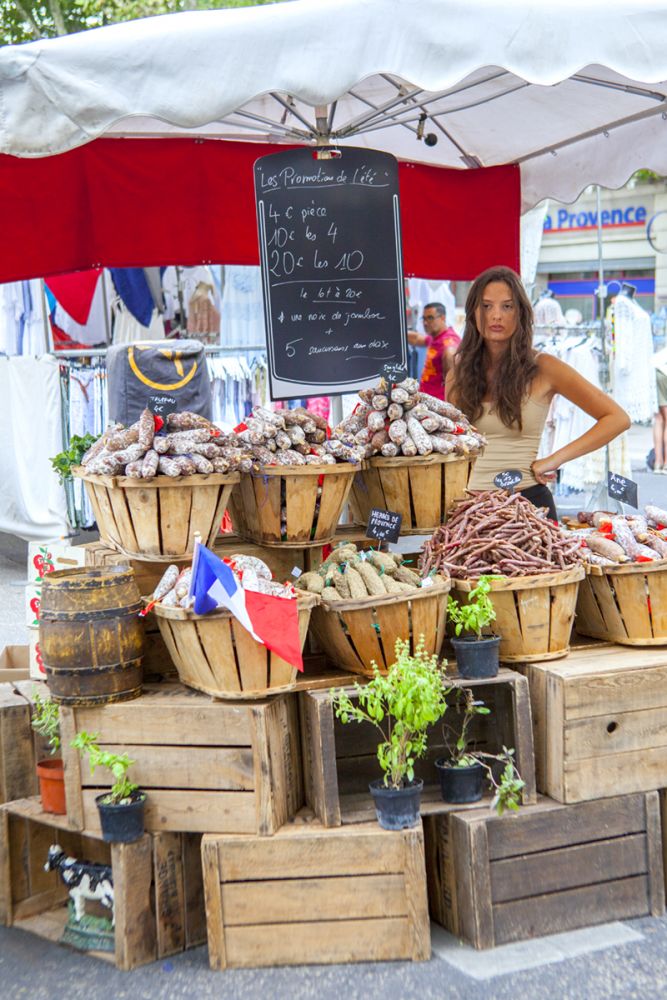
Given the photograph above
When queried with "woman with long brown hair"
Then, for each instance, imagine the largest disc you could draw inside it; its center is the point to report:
(505, 387)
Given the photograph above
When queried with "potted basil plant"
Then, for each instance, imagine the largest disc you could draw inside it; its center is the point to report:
(462, 774)
(476, 654)
(50, 773)
(121, 809)
(402, 705)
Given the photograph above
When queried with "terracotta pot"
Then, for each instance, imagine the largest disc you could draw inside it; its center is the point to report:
(52, 785)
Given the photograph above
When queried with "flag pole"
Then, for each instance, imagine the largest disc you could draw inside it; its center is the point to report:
(195, 558)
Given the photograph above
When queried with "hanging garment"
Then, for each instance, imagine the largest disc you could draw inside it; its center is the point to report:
(548, 312)
(95, 330)
(75, 292)
(203, 317)
(32, 503)
(242, 308)
(133, 288)
(633, 375)
(22, 329)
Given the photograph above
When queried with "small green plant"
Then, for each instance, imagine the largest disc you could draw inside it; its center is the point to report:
(401, 705)
(118, 764)
(62, 463)
(477, 613)
(506, 784)
(46, 720)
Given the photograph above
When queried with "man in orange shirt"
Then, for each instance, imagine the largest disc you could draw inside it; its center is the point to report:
(442, 342)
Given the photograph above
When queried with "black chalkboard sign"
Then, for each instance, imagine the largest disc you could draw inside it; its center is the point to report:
(332, 273)
(394, 372)
(162, 405)
(508, 479)
(620, 488)
(385, 525)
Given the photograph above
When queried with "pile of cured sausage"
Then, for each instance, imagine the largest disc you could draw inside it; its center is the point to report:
(495, 533)
(398, 419)
(618, 538)
(251, 573)
(189, 443)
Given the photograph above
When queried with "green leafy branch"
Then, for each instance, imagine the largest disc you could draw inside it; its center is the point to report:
(401, 705)
(508, 785)
(118, 764)
(478, 611)
(62, 463)
(46, 720)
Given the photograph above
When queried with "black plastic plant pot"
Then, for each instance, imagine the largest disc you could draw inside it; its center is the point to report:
(460, 784)
(122, 824)
(477, 657)
(397, 808)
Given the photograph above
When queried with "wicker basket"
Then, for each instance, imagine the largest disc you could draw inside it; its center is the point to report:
(214, 653)
(625, 604)
(534, 614)
(158, 517)
(291, 505)
(421, 489)
(354, 633)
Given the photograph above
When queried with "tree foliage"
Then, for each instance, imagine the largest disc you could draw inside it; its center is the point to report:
(27, 20)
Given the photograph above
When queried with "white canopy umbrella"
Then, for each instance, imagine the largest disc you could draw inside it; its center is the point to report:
(575, 91)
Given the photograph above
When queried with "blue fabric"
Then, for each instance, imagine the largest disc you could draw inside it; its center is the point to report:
(131, 285)
(207, 570)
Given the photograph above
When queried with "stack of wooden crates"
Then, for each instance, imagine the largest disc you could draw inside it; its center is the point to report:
(260, 833)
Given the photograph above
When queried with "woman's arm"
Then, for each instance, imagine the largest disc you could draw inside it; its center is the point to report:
(610, 419)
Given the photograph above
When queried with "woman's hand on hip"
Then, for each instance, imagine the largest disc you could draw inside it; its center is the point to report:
(544, 471)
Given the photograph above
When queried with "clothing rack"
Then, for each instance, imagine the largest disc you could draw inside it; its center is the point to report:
(99, 352)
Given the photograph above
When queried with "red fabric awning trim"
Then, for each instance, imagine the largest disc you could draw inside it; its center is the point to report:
(148, 202)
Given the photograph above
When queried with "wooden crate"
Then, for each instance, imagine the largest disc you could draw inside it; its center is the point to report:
(357, 633)
(534, 614)
(341, 760)
(421, 489)
(14, 664)
(312, 896)
(18, 777)
(158, 517)
(291, 505)
(215, 654)
(600, 722)
(625, 604)
(547, 869)
(206, 766)
(157, 881)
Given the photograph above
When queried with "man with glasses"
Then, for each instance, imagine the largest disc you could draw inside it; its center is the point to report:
(442, 342)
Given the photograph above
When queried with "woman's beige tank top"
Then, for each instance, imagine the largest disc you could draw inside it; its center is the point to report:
(508, 447)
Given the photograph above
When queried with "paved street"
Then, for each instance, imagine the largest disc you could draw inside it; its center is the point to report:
(620, 961)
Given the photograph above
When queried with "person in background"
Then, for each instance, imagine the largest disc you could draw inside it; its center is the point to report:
(504, 386)
(442, 342)
(660, 418)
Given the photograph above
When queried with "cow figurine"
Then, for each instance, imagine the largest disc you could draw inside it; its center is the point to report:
(84, 879)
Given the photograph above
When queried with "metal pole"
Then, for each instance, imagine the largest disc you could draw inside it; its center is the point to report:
(601, 498)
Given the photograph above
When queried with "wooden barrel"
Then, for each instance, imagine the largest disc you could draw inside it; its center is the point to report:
(90, 636)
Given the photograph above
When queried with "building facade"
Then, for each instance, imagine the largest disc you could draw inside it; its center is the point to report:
(634, 227)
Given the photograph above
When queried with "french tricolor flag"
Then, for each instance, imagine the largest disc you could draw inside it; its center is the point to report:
(273, 621)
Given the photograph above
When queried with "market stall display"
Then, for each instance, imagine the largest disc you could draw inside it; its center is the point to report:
(537, 568)
(214, 653)
(420, 454)
(368, 601)
(624, 596)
